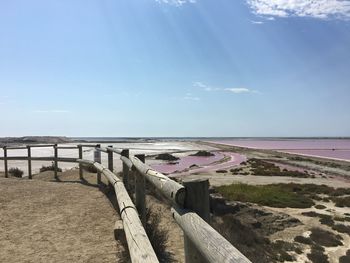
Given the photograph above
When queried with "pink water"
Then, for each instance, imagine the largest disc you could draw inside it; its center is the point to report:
(330, 148)
(205, 164)
(186, 162)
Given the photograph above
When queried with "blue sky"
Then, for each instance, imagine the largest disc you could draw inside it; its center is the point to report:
(175, 68)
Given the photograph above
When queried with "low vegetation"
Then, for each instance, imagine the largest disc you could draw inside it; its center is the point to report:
(322, 163)
(325, 238)
(263, 168)
(342, 202)
(158, 236)
(319, 239)
(274, 195)
(321, 207)
(252, 243)
(317, 256)
(50, 168)
(166, 157)
(90, 169)
(203, 154)
(345, 258)
(16, 172)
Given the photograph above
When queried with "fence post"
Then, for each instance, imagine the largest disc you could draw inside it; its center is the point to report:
(197, 199)
(80, 148)
(5, 162)
(55, 161)
(140, 192)
(97, 158)
(125, 153)
(29, 162)
(110, 164)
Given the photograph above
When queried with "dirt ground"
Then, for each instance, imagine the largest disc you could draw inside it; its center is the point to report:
(43, 221)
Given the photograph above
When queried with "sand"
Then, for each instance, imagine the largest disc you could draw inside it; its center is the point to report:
(42, 221)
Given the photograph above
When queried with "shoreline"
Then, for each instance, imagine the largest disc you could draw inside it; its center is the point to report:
(281, 151)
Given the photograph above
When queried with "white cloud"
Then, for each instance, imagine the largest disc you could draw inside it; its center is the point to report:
(51, 111)
(176, 2)
(257, 22)
(189, 96)
(239, 90)
(204, 86)
(303, 8)
(199, 84)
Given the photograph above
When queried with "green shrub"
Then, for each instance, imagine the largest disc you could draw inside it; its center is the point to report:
(50, 168)
(269, 195)
(16, 172)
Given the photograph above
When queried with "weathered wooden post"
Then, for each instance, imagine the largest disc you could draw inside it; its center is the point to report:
(110, 158)
(97, 158)
(5, 162)
(80, 148)
(29, 162)
(55, 161)
(125, 153)
(140, 191)
(197, 200)
(110, 164)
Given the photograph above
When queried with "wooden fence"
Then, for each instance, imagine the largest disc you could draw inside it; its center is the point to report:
(190, 203)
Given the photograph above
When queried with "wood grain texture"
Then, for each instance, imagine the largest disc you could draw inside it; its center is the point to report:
(5, 158)
(212, 246)
(172, 190)
(81, 171)
(29, 162)
(56, 161)
(140, 248)
(197, 200)
(126, 169)
(140, 192)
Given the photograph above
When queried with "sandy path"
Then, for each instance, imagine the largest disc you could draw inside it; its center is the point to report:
(42, 221)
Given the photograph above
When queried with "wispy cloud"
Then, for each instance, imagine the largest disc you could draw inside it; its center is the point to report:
(51, 111)
(241, 90)
(232, 90)
(322, 9)
(203, 86)
(257, 22)
(189, 96)
(176, 2)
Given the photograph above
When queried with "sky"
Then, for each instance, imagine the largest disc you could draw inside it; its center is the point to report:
(162, 68)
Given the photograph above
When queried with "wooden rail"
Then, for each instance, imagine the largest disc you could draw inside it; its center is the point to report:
(202, 242)
(190, 204)
(140, 247)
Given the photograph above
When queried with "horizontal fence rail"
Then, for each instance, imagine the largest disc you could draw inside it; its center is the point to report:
(190, 203)
(140, 247)
(25, 158)
(207, 240)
